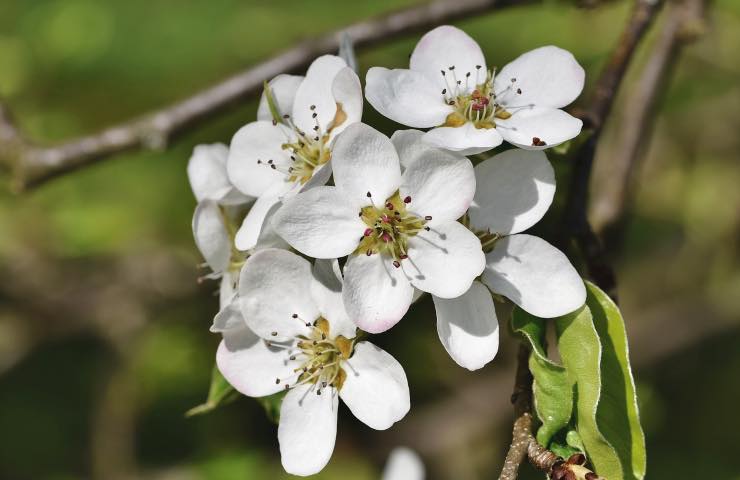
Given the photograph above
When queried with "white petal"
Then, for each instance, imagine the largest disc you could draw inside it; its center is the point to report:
(403, 464)
(320, 223)
(445, 260)
(445, 47)
(320, 176)
(468, 327)
(326, 289)
(364, 160)
(252, 367)
(229, 315)
(207, 175)
(465, 140)
(252, 147)
(548, 125)
(283, 88)
(535, 275)
(228, 318)
(441, 185)
(253, 224)
(375, 390)
(315, 95)
(406, 97)
(347, 93)
(227, 288)
(515, 190)
(211, 236)
(547, 76)
(376, 294)
(409, 146)
(308, 429)
(275, 285)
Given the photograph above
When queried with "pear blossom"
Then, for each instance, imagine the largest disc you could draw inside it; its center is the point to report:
(514, 191)
(208, 179)
(403, 464)
(517, 188)
(288, 148)
(471, 108)
(399, 231)
(299, 338)
(213, 230)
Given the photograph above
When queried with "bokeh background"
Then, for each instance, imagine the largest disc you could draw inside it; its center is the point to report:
(104, 340)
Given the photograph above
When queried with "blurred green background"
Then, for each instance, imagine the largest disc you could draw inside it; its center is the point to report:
(104, 340)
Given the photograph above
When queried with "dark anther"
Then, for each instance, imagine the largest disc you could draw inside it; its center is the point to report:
(313, 107)
(314, 115)
(513, 80)
(452, 67)
(537, 142)
(444, 91)
(396, 263)
(519, 91)
(389, 206)
(427, 228)
(277, 381)
(274, 334)
(273, 167)
(428, 217)
(316, 128)
(274, 122)
(478, 67)
(443, 72)
(467, 74)
(369, 195)
(407, 200)
(369, 252)
(286, 116)
(295, 315)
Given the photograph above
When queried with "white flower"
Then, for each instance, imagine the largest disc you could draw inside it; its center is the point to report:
(517, 188)
(514, 191)
(288, 148)
(207, 174)
(213, 230)
(470, 109)
(303, 342)
(400, 231)
(403, 464)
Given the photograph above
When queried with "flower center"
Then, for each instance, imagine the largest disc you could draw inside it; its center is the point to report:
(487, 238)
(321, 357)
(309, 150)
(389, 227)
(474, 98)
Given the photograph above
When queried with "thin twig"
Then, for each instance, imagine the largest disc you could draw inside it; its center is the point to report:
(683, 24)
(522, 431)
(33, 165)
(575, 222)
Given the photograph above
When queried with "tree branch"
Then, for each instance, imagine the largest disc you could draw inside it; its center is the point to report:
(575, 220)
(683, 23)
(33, 165)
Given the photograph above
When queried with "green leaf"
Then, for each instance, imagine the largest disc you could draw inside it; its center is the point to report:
(617, 414)
(219, 393)
(574, 440)
(580, 350)
(562, 450)
(552, 388)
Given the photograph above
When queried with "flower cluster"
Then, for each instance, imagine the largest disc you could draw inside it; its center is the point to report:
(308, 270)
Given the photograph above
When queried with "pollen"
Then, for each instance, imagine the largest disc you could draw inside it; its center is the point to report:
(389, 228)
